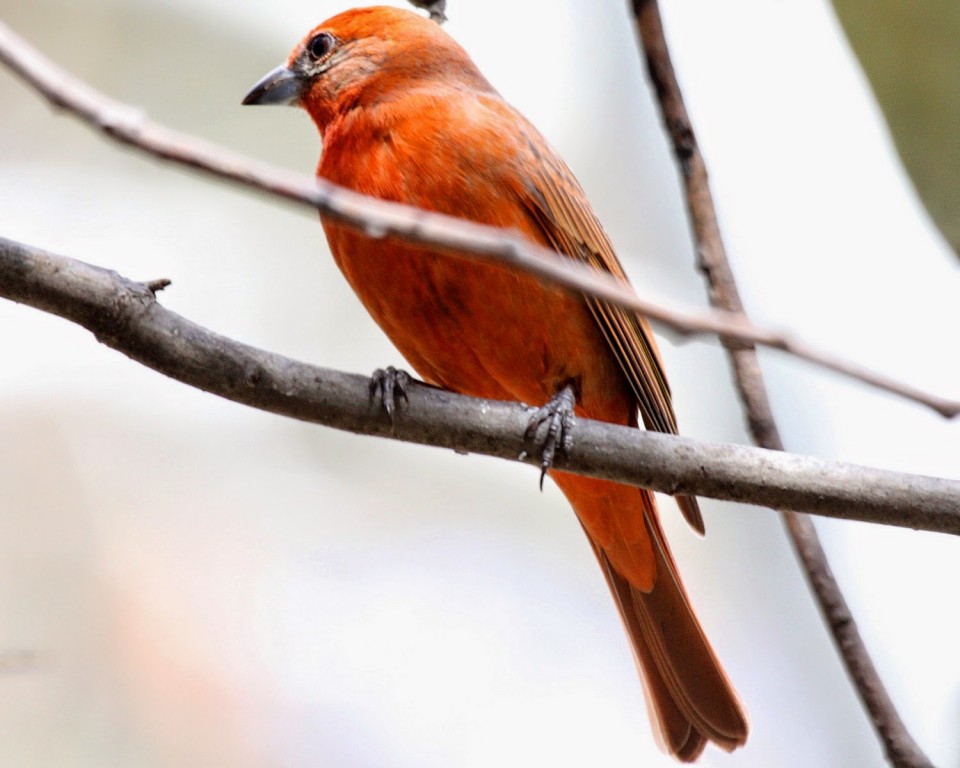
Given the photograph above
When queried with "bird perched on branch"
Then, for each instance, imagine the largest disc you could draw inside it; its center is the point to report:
(405, 115)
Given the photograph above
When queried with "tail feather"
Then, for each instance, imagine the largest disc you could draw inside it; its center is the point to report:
(674, 732)
(690, 698)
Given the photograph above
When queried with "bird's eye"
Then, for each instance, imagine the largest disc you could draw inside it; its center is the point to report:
(320, 46)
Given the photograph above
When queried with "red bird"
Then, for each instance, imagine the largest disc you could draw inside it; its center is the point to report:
(405, 115)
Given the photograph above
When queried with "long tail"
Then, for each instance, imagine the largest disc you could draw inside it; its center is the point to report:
(691, 700)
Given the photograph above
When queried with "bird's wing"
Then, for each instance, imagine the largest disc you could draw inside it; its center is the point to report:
(559, 206)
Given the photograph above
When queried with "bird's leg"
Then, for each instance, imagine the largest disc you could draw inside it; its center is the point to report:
(558, 414)
(390, 385)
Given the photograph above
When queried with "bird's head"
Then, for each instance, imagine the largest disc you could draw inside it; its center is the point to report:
(361, 57)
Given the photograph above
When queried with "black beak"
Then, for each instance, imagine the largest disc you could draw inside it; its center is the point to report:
(279, 86)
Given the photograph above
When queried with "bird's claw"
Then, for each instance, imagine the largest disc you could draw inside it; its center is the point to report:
(390, 385)
(560, 419)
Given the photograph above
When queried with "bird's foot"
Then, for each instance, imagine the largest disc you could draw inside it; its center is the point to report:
(390, 386)
(560, 420)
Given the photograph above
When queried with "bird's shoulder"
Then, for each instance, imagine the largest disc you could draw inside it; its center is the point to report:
(428, 142)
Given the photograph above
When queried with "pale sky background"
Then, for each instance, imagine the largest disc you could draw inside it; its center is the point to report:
(188, 582)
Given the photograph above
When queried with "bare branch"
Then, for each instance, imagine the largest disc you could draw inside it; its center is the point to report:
(125, 315)
(382, 219)
(900, 747)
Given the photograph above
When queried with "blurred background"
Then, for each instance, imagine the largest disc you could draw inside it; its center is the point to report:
(184, 581)
(911, 54)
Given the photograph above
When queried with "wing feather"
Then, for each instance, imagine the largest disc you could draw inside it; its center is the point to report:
(559, 205)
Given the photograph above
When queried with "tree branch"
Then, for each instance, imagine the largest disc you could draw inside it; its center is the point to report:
(379, 218)
(899, 745)
(126, 316)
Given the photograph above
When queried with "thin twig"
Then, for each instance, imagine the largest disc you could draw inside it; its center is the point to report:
(436, 8)
(379, 218)
(899, 745)
(126, 316)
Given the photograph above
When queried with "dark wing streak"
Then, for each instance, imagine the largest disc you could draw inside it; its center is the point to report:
(571, 228)
(558, 205)
(575, 231)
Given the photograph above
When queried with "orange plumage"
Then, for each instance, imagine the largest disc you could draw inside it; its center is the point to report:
(406, 116)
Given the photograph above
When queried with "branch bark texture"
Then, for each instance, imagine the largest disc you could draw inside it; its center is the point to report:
(126, 316)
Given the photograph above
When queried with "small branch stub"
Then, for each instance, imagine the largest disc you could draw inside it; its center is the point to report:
(155, 286)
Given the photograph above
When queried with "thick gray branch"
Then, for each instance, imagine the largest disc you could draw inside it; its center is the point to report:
(126, 316)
